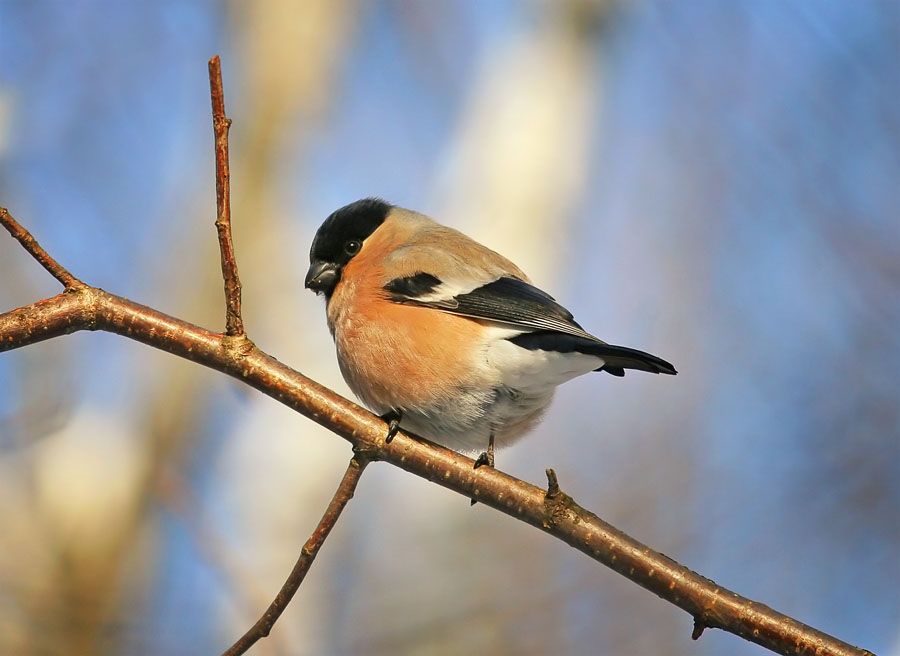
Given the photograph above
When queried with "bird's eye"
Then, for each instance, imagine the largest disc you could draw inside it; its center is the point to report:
(352, 247)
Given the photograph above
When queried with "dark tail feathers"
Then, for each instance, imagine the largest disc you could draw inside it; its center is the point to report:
(618, 358)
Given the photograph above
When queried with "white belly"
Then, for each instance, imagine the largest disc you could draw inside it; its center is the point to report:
(519, 388)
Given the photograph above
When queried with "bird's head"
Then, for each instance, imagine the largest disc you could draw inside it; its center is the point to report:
(339, 239)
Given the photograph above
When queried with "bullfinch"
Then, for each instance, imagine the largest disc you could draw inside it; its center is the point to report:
(442, 336)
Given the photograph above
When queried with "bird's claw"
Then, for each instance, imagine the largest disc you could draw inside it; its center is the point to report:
(486, 457)
(393, 418)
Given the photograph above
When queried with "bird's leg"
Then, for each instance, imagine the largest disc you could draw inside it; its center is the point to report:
(392, 417)
(487, 457)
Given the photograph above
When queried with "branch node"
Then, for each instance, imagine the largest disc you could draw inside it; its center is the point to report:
(699, 627)
(363, 454)
(238, 346)
(552, 485)
(556, 503)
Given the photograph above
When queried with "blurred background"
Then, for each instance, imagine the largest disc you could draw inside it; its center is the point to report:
(717, 183)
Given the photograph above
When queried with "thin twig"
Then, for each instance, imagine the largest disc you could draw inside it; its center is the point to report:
(307, 555)
(30, 244)
(234, 324)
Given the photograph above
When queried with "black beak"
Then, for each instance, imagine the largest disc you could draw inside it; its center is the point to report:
(322, 277)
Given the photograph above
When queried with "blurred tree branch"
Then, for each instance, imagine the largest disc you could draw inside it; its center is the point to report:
(83, 307)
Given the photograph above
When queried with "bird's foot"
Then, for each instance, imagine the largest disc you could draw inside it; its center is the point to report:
(486, 457)
(392, 417)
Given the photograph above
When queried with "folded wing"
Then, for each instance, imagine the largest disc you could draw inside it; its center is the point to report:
(545, 324)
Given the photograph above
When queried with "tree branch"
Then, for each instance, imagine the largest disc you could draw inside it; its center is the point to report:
(234, 323)
(308, 554)
(556, 513)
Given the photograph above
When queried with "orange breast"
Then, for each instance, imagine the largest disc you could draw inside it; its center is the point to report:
(406, 356)
(395, 355)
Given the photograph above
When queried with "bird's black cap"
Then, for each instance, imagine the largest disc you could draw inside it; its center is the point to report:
(329, 251)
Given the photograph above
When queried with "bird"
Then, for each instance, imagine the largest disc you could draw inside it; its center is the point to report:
(442, 336)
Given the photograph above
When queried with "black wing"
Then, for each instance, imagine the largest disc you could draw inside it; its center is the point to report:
(505, 300)
(548, 326)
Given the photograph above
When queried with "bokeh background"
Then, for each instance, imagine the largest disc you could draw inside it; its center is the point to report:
(715, 182)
